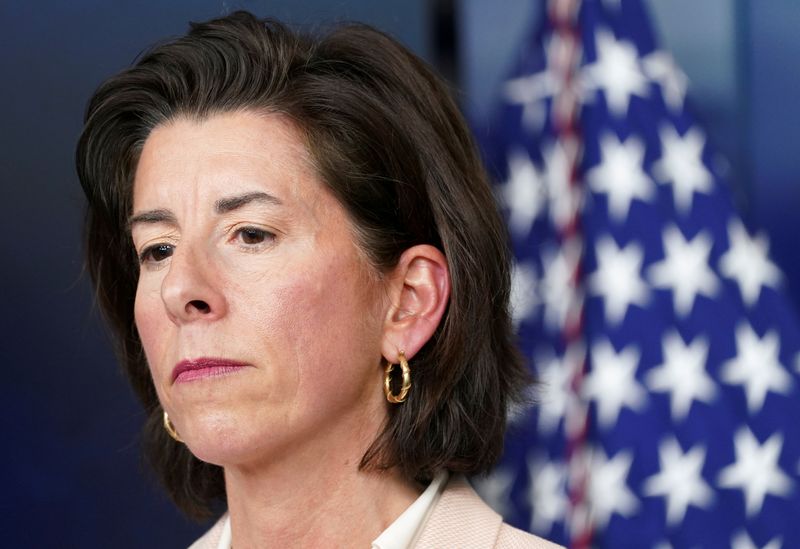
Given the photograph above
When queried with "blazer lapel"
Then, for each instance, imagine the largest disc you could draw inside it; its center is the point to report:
(460, 519)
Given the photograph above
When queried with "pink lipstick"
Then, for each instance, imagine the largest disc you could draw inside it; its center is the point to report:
(203, 368)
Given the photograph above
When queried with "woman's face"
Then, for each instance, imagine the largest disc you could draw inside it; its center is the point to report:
(259, 317)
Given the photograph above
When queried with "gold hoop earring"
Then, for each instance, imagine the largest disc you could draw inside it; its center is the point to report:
(170, 428)
(387, 380)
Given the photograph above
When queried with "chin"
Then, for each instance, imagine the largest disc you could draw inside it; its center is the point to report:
(224, 452)
(220, 442)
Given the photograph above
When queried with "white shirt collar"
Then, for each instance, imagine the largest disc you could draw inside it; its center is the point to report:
(401, 533)
(225, 540)
(406, 528)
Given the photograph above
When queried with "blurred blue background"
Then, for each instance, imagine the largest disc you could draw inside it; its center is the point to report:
(70, 468)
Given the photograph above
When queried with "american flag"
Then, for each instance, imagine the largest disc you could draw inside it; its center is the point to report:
(669, 360)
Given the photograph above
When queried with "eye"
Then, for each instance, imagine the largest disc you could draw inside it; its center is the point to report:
(253, 235)
(156, 253)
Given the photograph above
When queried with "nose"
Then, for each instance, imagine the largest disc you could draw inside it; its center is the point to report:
(191, 289)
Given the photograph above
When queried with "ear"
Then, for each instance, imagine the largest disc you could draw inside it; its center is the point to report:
(419, 289)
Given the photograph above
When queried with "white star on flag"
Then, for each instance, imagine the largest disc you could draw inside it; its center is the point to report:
(756, 471)
(546, 493)
(616, 72)
(680, 480)
(608, 488)
(523, 194)
(685, 269)
(683, 374)
(524, 298)
(681, 164)
(747, 263)
(495, 488)
(611, 382)
(531, 91)
(617, 278)
(660, 67)
(620, 175)
(554, 391)
(757, 367)
(742, 541)
(563, 198)
(557, 286)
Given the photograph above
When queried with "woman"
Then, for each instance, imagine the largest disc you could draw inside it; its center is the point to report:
(297, 248)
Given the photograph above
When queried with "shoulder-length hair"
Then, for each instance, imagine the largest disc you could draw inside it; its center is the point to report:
(390, 143)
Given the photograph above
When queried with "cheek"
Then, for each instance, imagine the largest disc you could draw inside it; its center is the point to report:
(339, 324)
(324, 317)
(149, 319)
(288, 313)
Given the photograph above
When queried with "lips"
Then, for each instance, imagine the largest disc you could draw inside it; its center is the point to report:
(203, 368)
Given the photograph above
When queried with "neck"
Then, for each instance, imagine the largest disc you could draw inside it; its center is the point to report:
(315, 496)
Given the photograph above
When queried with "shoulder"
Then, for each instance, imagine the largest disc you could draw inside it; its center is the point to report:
(461, 519)
(514, 538)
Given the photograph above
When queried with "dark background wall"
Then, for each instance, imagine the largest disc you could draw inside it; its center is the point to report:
(70, 470)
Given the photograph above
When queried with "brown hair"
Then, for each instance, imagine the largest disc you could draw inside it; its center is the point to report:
(390, 143)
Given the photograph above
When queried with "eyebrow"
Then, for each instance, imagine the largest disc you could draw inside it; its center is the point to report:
(225, 205)
(221, 206)
(152, 216)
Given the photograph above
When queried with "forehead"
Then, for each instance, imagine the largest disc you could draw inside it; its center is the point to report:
(224, 153)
